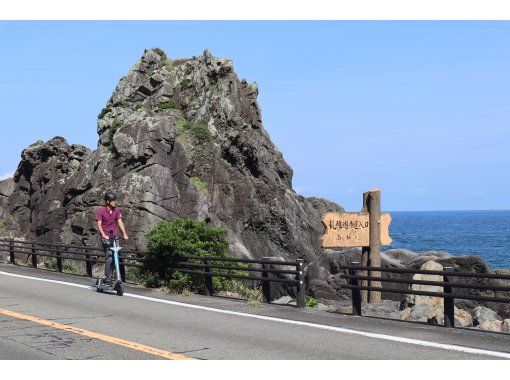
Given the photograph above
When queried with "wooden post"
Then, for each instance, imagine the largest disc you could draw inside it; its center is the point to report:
(209, 289)
(88, 263)
(300, 267)
(59, 260)
(356, 294)
(11, 252)
(266, 286)
(374, 257)
(34, 257)
(365, 253)
(449, 306)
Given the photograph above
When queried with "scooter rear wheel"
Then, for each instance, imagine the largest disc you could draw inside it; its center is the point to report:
(98, 283)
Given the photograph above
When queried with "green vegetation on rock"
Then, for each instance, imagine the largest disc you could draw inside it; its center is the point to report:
(198, 132)
(312, 302)
(103, 112)
(115, 126)
(2, 224)
(186, 83)
(200, 185)
(171, 104)
(161, 53)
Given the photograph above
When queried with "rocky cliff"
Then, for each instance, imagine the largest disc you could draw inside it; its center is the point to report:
(181, 138)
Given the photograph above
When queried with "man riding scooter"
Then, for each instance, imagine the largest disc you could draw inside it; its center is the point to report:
(109, 220)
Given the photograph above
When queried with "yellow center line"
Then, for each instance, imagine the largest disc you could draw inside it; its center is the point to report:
(95, 335)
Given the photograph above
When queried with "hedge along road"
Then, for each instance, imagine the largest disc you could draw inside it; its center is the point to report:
(37, 307)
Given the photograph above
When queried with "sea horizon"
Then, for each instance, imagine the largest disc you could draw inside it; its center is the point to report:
(484, 233)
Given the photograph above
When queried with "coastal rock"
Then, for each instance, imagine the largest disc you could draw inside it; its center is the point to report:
(463, 318)
(483, 314)
(403, 255)
(181, 138)
(506, 326)
(285, 300)
(491, 325)
(425, 308)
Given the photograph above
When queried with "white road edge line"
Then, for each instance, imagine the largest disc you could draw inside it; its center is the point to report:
(418, 342)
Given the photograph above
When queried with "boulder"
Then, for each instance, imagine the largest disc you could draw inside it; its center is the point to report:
(285, 300)
(463, 318)
(425, 308)
(483, 314)
(402, 255)
(180, 138)
(506, 326)
(491, 325)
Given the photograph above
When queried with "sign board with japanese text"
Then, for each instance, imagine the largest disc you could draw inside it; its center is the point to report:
(351, 229)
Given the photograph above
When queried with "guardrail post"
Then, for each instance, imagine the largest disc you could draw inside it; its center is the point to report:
(266, 285)
(356, 293)
(11, 252)
(34, 256)
(209, 288)
(122, 268)
(88, 263)
(300, 267)
(449, 306)
(59, 259)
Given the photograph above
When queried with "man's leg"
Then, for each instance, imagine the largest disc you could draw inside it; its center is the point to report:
(108, 266)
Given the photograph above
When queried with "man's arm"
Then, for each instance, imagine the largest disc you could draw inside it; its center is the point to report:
(122, 229)
(100, 228)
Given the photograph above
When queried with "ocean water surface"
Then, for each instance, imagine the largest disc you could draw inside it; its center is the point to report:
(481, 233)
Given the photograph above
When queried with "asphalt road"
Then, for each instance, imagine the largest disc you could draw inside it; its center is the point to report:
(47, 320)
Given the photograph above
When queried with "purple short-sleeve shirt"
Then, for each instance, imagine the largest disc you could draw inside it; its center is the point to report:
(109, 220)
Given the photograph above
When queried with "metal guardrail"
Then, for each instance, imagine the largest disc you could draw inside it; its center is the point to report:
(128, 258)
(447, 284)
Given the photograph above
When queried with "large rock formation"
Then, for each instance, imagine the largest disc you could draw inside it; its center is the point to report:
(180, 138)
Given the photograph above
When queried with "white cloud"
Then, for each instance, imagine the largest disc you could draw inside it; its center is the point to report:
(6, 175)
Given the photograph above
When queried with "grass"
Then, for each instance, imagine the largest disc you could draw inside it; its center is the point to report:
(200, 185)
(252, 295)
(312, 302)
(71, 267)
(171, 104)
(197, 131)
(186, 83)
(115, 126)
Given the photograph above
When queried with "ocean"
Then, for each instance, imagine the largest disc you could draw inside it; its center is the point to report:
(482, 233)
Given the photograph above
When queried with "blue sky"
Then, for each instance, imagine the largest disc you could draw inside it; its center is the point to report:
(420, 110)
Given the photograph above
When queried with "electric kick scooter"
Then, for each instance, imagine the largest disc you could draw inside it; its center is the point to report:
(116, 286)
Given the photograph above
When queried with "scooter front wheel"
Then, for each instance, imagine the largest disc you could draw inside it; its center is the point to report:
(120, 289)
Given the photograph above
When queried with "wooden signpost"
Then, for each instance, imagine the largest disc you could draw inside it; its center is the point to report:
(367, 229)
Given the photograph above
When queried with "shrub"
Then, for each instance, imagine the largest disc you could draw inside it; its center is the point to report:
(171, 241)
(185, 83)
(198, 132)
(311, 302)
(160, 52)
(171, 104)
(115, 126)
